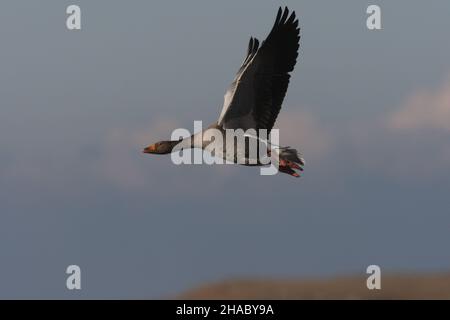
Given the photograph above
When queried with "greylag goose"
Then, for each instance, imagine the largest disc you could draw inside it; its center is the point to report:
(254, 99)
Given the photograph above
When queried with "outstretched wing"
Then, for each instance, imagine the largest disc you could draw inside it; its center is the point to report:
(254, 98)
(253, 46)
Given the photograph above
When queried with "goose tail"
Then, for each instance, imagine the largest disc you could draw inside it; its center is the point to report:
(289, 161)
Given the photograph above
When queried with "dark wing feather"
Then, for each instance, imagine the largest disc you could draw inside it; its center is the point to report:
(258, 91)
(276, 58)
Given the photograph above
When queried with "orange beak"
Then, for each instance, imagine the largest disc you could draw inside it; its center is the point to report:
(150, 149)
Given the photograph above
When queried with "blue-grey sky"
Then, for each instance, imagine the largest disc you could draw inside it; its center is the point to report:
(370, 111)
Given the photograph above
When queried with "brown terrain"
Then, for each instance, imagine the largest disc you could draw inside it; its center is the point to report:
(436, 286)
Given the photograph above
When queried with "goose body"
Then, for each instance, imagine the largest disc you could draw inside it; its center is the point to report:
(254, 98)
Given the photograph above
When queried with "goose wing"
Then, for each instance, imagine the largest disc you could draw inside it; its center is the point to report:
(254, 98)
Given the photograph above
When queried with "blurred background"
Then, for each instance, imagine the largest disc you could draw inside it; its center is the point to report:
(370, 111)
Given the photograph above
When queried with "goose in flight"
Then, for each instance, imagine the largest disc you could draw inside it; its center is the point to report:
(254, 98)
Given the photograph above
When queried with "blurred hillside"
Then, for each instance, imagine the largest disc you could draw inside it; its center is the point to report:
(435, 286)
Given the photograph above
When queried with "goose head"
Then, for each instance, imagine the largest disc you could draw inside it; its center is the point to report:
(162, 147)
